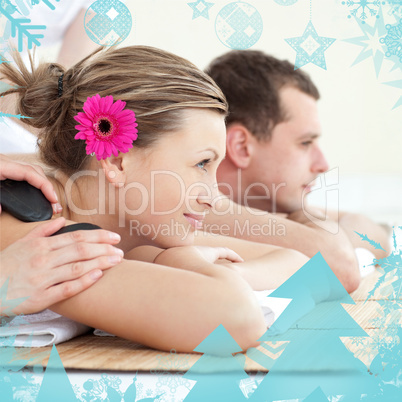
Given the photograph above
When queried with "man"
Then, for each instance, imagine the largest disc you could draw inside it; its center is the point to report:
(273, 158)
(272, 131)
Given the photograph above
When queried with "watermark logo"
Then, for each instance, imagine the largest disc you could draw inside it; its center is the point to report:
(328, 185)
(128, 201)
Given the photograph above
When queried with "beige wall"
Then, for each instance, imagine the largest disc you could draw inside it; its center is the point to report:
(361, 134)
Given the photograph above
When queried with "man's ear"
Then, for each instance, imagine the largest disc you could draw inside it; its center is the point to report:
(114, 171)
(239, 148)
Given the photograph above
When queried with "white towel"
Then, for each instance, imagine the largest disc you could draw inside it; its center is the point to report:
(41, 329)
(272, 307)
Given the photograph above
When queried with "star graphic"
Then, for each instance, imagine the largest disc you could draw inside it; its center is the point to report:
(370, 42)
(396, 84)
(310, 47)
(200, 8)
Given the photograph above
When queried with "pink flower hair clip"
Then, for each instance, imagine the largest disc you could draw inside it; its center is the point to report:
(106, 127)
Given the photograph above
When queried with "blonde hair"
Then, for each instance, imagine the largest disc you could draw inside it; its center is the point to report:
(156, 85)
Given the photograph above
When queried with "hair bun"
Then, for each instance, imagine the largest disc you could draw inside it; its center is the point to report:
(37, 90)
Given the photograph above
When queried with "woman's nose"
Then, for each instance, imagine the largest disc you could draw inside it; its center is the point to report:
(208, 194)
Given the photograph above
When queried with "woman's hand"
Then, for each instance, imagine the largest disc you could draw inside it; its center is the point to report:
(46, 270)
(213, 254)
(196, 258)
(33, 174)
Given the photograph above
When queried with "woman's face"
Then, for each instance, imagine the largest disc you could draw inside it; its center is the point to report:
(172, 186)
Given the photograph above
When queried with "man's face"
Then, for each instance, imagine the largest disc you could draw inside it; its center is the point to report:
(291, 160)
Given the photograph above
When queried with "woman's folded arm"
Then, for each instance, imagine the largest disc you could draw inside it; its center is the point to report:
(160, 306)
(165, 308)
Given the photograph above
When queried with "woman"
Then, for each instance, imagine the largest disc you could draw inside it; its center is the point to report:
(154, 196)
(20, 260)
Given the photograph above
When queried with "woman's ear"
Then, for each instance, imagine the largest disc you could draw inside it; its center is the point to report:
(114, 171)
(239, 145)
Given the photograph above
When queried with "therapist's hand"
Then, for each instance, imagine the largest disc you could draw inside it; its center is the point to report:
(48, 270)
(33, 174)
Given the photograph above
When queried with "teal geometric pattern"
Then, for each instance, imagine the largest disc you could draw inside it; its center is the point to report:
(370, 42)
(108, 22)
(239, 25)
(286, 2)
(363, 9)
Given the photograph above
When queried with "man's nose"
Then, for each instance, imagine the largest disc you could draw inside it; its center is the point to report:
(320, 164)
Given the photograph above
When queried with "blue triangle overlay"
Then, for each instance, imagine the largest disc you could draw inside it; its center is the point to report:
(227, 370)
(55, 385)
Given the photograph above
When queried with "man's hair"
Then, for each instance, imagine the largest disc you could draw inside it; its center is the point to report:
(251, 81)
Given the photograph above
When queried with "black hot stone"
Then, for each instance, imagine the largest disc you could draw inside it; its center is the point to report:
(23, 201)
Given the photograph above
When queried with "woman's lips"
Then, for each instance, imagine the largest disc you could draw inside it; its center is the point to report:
(195, 220)
(309, 187)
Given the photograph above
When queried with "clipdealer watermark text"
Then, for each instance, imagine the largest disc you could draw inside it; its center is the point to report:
(174, 228)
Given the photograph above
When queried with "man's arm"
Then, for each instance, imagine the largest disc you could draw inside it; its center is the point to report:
(352, 223)
(231, 219)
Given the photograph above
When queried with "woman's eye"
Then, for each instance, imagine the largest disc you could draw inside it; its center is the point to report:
(202, 164)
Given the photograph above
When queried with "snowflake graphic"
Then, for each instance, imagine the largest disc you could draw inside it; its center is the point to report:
(366, 351)
(179, 364)
(17, 116)
(26, 393)
(393, 43)
(103, 389)
(21, 28)
(15, 384)
(249, 385)
(358, 340)
(388, 313)
(47, 2)
(370, 42)
(387, 366)
(139, 387)
(363, 9)
(395, 7)
(390, 283)
(392, 309)
(8, 6)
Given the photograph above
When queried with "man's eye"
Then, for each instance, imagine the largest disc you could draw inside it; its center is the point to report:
(203, 163)
(306, 143)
